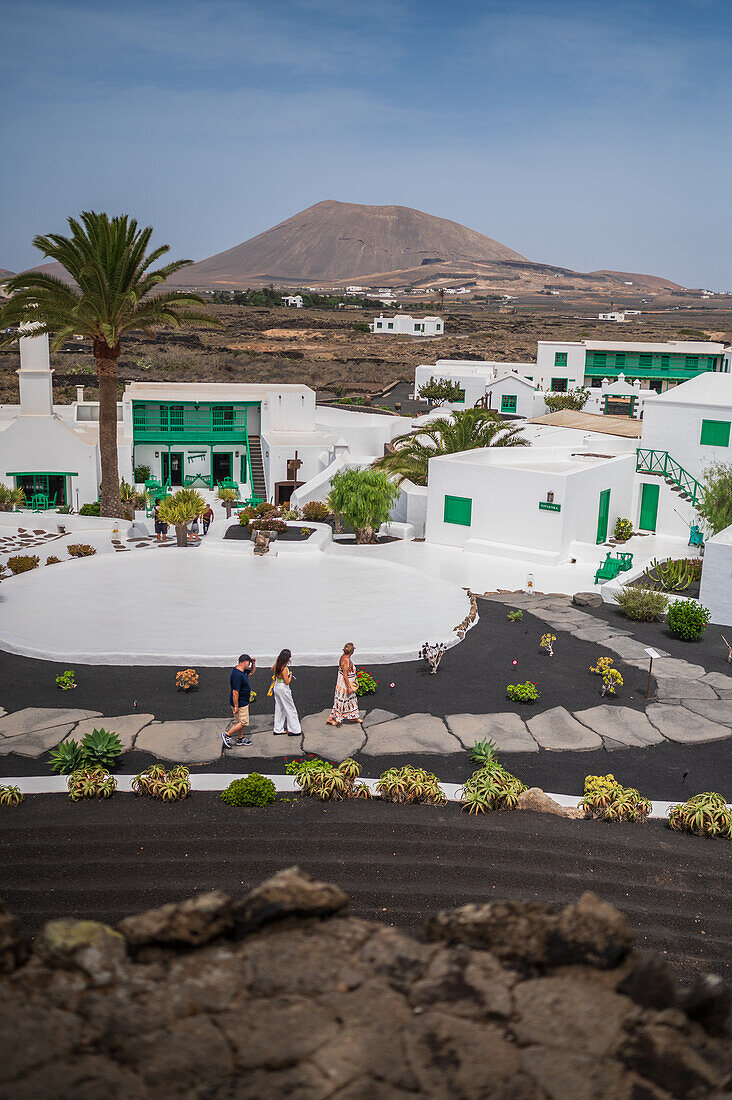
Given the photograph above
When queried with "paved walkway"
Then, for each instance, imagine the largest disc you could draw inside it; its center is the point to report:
(692, 706)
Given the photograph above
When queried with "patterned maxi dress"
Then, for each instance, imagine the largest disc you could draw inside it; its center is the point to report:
(345, 702)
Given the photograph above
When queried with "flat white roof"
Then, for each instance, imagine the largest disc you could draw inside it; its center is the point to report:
(553, 460)
(668, 347)
(192, 391)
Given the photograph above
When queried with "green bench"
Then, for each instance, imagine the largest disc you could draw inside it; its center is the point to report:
(612, 567)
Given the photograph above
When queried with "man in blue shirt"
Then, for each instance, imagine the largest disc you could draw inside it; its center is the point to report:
(239, 697)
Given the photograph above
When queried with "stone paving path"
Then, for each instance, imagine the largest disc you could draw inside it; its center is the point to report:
(692, 706)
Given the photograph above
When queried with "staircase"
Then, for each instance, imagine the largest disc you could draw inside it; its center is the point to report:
(259, 484)
(678, 479)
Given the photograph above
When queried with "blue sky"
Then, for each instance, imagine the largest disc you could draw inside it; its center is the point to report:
(582, 133)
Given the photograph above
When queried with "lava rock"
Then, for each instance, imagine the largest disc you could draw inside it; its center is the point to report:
(587, 599)
(290, 893)
(95, 949)
(708, 1001)
(649, 982)
(186, 924)
(536, 799)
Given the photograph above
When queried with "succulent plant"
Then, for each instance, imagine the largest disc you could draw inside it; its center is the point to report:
(91, 783)
(11, 796)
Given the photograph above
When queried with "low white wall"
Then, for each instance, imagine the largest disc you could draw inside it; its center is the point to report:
(50, 521)
(411, 507)
(716, 582)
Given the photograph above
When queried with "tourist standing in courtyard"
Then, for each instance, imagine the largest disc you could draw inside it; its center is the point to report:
(208, 518)
(239, 697)
(345, 702)
(194, 529)
(286, 720)
(161, 528)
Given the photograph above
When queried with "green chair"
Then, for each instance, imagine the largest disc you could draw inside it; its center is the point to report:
(608, 569)
(626, 561)
(252, 502)
(39, 502)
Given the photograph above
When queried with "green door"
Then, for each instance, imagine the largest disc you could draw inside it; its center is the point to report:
(602, 515)
(649, 507)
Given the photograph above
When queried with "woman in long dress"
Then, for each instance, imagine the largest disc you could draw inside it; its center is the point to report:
(345, 701)
(286, 720)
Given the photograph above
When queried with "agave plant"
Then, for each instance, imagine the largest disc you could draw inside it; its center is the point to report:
(362, 790)
(91, 783)
(11, 796)
(100, 748)
(409, 784)
(705, 814)
(483, 752)
(149, 781)
(66, 758)
(491, 788)
(608, 800)
(350, 768)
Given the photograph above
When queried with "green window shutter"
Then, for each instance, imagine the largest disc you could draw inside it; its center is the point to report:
(461, 398)
(715, 433)
(560, 358)
(559, 385)
(458, 510)
(508, 402)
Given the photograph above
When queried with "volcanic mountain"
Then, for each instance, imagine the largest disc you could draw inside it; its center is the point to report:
(340, 241)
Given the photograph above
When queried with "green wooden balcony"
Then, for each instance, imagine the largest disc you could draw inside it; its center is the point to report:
(187, 422)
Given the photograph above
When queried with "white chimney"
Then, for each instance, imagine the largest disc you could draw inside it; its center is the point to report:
(35, 375)
(79, 393)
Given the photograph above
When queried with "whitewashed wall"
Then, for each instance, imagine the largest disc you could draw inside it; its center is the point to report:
(716, 582)
(546, 370)
(676, 428)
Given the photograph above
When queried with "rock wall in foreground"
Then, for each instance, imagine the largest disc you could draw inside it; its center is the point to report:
(283, 994)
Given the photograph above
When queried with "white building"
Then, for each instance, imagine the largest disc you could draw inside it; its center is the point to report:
(403, 324)
(615, 316)
(294, 300)
(268, 439)
(563, 365)
(476, 379)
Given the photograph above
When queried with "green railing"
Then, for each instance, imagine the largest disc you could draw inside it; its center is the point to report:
(186, 422)
(661, 462)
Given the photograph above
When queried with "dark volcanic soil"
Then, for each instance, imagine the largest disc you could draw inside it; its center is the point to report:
(397, 863)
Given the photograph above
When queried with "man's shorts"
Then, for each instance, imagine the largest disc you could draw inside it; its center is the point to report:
(243, 715)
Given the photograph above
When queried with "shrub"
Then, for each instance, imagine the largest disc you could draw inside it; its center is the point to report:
(361, 326)
(704, 814)
(641, 604)
(316, 511)
(126, 491)
(603, 664)
(365, 683)
(409, 784)
(607, 800)
(254, 790)
(11, 499)
(325, 781)
(22, 563)
(100, 748)
(687, 620)
(440, 390)
(491, 788)
(573, 399)
(265, 508)
(546, 643)
(80, 550)
(246, 515)
(187, 679)
(269, 523)
(165, 786)
(523, 693)
(66, 680)
(11, 796)
(226, 493)
(89, 509)
(483, 753)
(91, 783)
(611, 679)
(364, 499)
(515, 616)
(52, 560)
(623, 529)
(291, 513)
(142, 474)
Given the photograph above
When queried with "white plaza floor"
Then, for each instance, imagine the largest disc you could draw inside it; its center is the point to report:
(204, 607)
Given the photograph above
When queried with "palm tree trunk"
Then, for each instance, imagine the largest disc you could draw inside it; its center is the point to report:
(181, 534)
(106, 357)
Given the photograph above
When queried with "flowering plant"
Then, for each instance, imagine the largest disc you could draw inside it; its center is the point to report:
(187, 679)
(365, 683)
(546, 643)
(603, 664)
(611, 679)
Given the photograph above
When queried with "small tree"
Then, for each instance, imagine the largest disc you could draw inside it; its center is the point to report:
(715, 507)
(364, 499)
(180, 510)
(440, 390)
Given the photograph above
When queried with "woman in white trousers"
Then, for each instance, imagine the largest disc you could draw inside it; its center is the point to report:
(286, 720)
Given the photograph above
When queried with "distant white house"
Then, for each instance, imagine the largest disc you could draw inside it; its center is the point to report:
(355, 289)
(490, 380)
(616, 315)
(403, 324)
(294, 300)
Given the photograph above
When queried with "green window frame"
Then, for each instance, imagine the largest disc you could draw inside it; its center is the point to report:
(560, 385)
(619, 358)
(560, 358)
(665, 362)
(715, 433)
(459, 400)
(508, 402)
(458, 510)
(691, 362)
(645, 360)
(379, 324)
(390, 324)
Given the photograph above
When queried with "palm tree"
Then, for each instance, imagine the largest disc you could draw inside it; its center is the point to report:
(181, 509)
(466, 430)
(115, 292)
